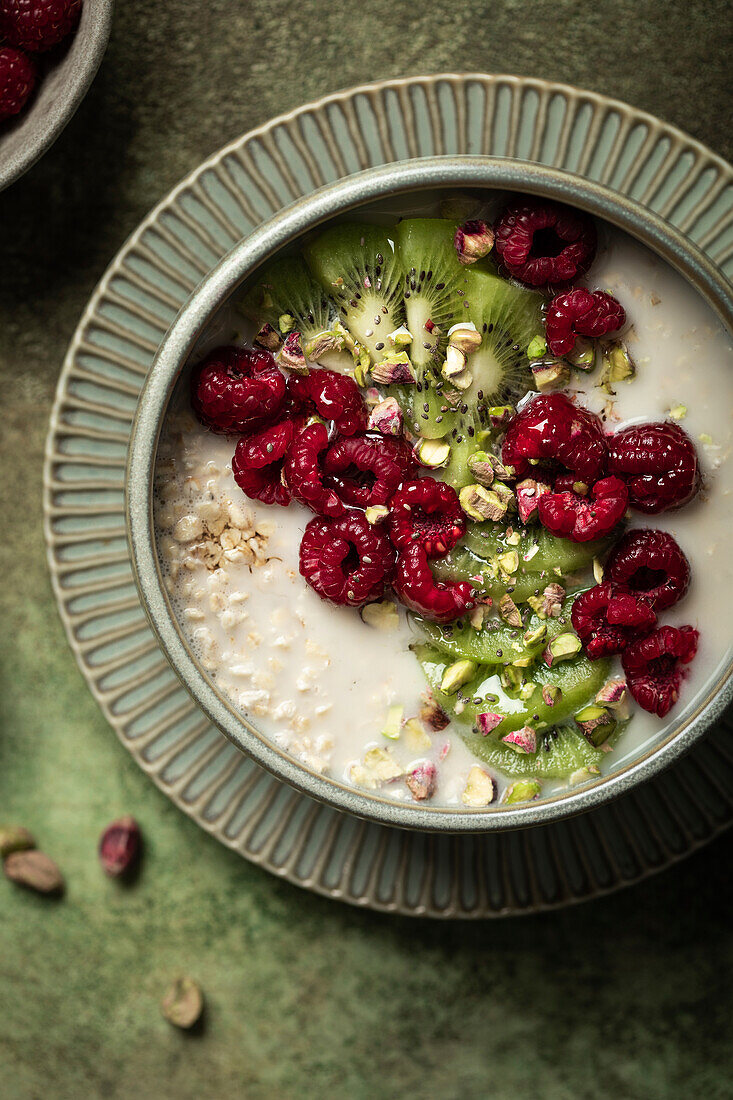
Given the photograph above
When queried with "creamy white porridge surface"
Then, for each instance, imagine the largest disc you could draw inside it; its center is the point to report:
(316, 679)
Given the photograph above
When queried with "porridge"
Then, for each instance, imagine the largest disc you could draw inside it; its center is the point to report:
(446, 517)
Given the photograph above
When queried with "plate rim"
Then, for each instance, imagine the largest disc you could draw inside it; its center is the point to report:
(489, 82)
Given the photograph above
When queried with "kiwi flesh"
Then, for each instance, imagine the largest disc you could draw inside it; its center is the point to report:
(508, 317)
(355, 264)
(287, 288)
(493, 645)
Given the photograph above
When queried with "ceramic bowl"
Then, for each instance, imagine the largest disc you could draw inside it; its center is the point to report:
(389, 183)
(63, 85)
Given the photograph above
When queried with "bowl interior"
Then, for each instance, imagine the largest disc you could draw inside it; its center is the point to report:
(66, 74)
(383, 195)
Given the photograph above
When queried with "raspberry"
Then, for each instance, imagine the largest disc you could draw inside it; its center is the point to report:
(17, 80)
(606, 622)
(543, 242)
(333, 396)
(426, 512)
(553, 429)
(418, 589)
(650, 564)
(258, 463)
(365, 470)
(304, 475)
(659, 464)
(653, 667)
(580, 313)
(237, 389)
(571, 515)
(38, 25)
(347, 561)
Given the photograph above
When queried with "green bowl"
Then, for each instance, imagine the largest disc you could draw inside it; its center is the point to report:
(224, 280)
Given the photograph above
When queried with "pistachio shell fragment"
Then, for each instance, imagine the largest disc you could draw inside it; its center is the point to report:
(480, 789)
(15, 838)
(35, 870)
(183, 1003)
(457, 674)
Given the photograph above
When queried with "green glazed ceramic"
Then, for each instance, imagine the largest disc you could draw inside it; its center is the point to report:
(622, 154)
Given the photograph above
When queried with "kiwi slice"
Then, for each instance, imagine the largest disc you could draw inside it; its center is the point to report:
(563, 751)
(578, 679)
(287, 289)
(508, 317)
(433, 295)
(495, 644)
(355, 265)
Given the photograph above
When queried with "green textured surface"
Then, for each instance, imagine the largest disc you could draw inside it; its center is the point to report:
(625, 997)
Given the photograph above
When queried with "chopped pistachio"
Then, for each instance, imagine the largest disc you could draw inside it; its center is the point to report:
(480, 789)
(537, 635)
(432, 714)
(393, 722)
(509, 611)
(487, 721)
(183, 1003)
(511, 678)
(386, 417)
(523, 790)
(618, 366)
(583, 355)
(375, 513)
(400, 338)
(422, 780)
(415, 735)
(527, 690)
(465, 337)
(582, 775)
(480, 503)
(513, 538)
(463, 380)
(291, 355)
(614, 695)
(537, 347)
(473, 240)
(550, 374)
(285, 322)
(455, 362)
(500, 415)
(523, 741)
(706, 439)
(596, 723)
(382, 615)
(382, 764)
(394, 369)
(457, 674)
(678, 412)
(322, 343)
(268, 338)
(433, 453)
(550, 694)
(509, 562)
(561, 648)
(481, 467)
(597, 571)
(476, 616)
(528, 493)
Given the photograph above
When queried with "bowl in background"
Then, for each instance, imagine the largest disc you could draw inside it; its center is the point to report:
(64, 82)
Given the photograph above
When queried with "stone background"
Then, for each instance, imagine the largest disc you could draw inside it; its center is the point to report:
(628, 997)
